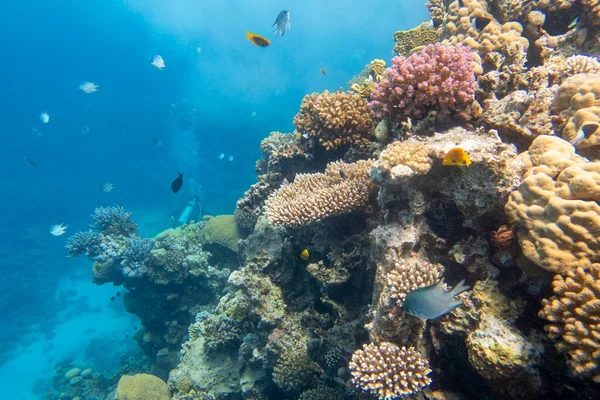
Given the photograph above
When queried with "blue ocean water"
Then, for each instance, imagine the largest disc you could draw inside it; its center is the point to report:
(217, 94)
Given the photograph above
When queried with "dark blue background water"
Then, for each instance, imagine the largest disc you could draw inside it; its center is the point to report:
(202, 104)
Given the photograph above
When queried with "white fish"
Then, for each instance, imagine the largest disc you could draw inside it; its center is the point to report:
(36, 132)
(230, 158)
(253, 114)
(158, 62)
(45, 117)
(586, 131)
(282, 22)
(221, 156)
(58, 230)
(198, 49)
(88, 87)
(107, 187)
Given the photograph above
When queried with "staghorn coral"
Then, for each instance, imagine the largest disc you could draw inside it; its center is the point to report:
(439, 78)
(409, 273)
(573, 313)
(114, 220)
(556, 207)
(86, 242)
(503, 38)
(387, 371)
(578, 103)
(314, 197)
(294, 371)
(136, 257)
(407, 42)
(336, 119)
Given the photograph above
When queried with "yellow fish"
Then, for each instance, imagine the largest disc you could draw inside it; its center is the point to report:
(304, 254)
(298, 135)
(257, 40)
(457, 157)
(323, 71)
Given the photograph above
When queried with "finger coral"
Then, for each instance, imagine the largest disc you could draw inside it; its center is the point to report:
(573, 313)
(578, 103)
(342, 188)
(336, 119)
(556, 207)
(440, 78)
(387, 371)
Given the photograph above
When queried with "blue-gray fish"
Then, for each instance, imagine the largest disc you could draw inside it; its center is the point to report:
(433, 301)
(282, 23)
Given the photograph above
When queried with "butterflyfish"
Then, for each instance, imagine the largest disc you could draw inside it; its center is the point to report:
(304, 255)
(257, 40)
(433, 301)
(457, 157)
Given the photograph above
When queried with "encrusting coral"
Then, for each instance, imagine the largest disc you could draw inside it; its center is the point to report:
(573, 313)
(440, 78)
(142, 387)
(335, 119)
(556, 207)
(407, 42)
(313, 197)
(388, 371)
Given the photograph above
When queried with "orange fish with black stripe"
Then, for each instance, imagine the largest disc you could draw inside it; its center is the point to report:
(257, 40)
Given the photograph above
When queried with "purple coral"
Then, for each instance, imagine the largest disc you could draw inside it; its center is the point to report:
(439, 78)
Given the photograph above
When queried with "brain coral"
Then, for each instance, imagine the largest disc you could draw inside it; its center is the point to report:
(222, 230)
(574, 315)
(439, 78)
(388, 371)
(578, 103)
(556, 207)
(142, 387)
(336, 119)
(314, 197)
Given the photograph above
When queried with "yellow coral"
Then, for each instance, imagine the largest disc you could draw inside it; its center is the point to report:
(420, 36)
(573, 313)
(142, 387)
(405, 159)
(387, 371)
(578, 103)
(314, 197)
(556, 207)
(436, 10)
(336, 119)
(222, 230)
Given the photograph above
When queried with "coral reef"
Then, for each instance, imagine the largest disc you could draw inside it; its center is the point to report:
(114, 220)
(413, 40)
(440, 79)
(222, 230)
(335, 119)
(142, 387)
(556, 207)
(364, 82)
(388, 371)
(573, 313)
(294, 371)
(342, 188)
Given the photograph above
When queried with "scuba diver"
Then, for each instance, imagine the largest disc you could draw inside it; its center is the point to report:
(192, 211)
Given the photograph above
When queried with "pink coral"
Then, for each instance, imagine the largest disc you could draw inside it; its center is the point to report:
(440, 78)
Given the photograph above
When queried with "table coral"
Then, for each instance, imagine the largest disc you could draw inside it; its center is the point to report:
(573, 313)
(387, 371)
(440, 78)
(578, 103)
(409, 41)
(556, 207)
(314, 197)
(335, 119)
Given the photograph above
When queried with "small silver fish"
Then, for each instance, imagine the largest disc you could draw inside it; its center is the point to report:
(587, 130)
(282, 23)
(433, 301)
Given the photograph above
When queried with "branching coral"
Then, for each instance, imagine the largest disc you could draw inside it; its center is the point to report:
(556, 207)
(283, 152)
(136, 257)
(336, 119)
(314, 197)
(573, 313)
(114, 220)
(407, 42)
(408, 274)
(578, 103)
(364, 83)
(439, 78)
(402, 160)
(86, 242)
(437, 11)
(388, 371)
(294, 371)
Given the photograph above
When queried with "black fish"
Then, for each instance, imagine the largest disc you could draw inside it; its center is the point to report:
(158, 142)
(177, 183)
(342, 173)
(30, 161)
(480, 23)
(112, 298)
(118, 294)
